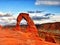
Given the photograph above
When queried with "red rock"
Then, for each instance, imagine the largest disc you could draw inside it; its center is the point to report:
(51, 26)
(18, 37)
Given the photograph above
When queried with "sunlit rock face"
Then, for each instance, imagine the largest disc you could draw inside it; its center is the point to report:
(16, 36)
(51, 26)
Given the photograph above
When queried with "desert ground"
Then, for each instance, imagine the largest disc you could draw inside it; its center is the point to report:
(42, 32)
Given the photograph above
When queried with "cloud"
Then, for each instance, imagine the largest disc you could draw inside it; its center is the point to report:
(35, 11)
(40, 18)
(43, 21)
(49, 14)
(56, 18)
(36, 14)
(7, 18)
(5, 14)
(47, 2)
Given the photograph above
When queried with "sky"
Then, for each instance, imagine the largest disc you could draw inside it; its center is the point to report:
(47, 7)
(18, 6)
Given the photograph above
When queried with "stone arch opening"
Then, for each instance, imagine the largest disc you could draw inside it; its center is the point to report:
(23, 24)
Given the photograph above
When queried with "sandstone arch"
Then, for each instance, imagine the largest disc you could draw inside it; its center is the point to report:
(31, 26)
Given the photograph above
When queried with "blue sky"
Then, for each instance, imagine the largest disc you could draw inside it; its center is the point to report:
(16, 6)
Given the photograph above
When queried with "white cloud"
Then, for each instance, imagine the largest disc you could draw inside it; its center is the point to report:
(2, 13)
(52, 18)
(47, 2)
(55, 18)
(6, 18)
(43, 21)
(5, 14)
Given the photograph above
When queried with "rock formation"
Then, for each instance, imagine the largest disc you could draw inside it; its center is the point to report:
(16, 36)
(51, 26)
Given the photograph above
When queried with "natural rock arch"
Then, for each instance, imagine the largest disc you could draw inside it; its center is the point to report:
(31, 26)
